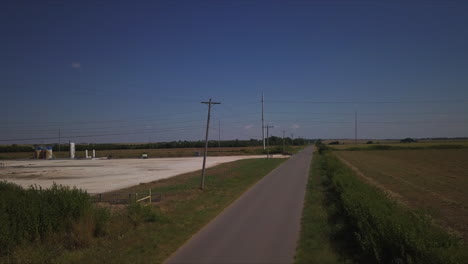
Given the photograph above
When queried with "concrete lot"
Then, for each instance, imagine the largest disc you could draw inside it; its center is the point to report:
(102, 175)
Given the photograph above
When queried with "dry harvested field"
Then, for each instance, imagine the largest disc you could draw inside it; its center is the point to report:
(345, 144)
(433, 180)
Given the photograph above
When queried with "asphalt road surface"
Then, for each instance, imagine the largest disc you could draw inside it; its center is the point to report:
(262, 226)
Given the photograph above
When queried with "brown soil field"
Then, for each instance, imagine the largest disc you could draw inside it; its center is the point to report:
(431, 180)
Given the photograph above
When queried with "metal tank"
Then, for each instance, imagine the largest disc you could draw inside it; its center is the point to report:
(72, 150)
(48, 153)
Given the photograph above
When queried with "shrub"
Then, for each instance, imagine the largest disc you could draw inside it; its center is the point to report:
(408, 140)
(34, 214)
(101, 218)
(138, 213)
(321, 148)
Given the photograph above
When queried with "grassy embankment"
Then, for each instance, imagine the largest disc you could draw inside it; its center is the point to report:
(149, 234)
(385, 231)
(161, 153)
(323, 234)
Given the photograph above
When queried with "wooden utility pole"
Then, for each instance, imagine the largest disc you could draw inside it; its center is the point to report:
(59, 140)
(355, 126)
(268, 141)
(209, 103)
(283, 140)
(263, 126)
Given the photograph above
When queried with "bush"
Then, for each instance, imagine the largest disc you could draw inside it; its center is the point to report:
(34, 214)
(321, 148)
(408, 140)
(138, 213)
(101, 218)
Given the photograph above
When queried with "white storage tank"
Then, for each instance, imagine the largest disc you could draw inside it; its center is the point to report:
(48, 153)
(72, 150)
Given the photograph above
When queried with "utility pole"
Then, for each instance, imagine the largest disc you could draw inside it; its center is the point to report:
(268, 141)
(263, 125)
(355, 126)
(283, 140)
(209, 103)
(59, 140)
(219, 133)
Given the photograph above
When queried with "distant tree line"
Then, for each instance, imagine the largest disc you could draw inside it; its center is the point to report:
(273, 141)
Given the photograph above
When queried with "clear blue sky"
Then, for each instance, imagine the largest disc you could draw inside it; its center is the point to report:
(141, 68)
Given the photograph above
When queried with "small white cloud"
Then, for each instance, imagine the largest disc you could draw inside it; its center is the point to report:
(248, 126)
(295, 126)
(75, 65)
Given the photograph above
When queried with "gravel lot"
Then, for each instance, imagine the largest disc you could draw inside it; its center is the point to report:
(102, 175)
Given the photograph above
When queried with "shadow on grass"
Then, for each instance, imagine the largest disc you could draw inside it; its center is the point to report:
(343, 235)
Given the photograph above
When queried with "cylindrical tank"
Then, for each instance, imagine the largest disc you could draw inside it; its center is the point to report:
(37, 153)
(72, 150)
(48, 153)
(86, 154)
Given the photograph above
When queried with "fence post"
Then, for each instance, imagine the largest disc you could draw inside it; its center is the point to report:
(129, 197)
(100, 197)
(150, 195)
(136, 197)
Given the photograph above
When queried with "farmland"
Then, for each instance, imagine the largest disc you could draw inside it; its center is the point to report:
(433, 181)
(394, 144)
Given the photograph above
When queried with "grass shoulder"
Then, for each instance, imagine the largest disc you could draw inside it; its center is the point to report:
(324, 236)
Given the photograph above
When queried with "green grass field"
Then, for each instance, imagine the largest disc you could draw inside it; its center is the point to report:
(151, 234)
(432, 180)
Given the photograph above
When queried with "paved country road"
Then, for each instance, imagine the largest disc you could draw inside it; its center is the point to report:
(262, 226)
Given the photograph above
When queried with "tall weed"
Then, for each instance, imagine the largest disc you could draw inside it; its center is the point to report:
(34, 214)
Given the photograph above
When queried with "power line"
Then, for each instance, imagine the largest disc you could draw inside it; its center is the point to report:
(376, 114)
(369, 102)
(130, 119)
(414, 122)
(100, 135)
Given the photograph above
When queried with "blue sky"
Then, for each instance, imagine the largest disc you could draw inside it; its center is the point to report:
(122, 71)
